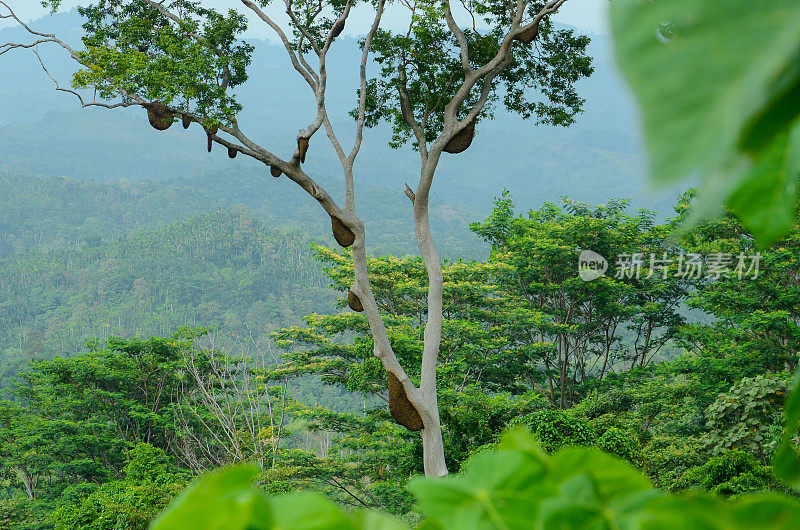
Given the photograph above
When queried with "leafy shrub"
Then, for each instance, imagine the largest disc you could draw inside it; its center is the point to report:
(555, 429)
(128, 504)
(744, 418)
(15, 513)
(666, 458)
(624, 444)
(615, 401)
(472, 418)
(730, 473)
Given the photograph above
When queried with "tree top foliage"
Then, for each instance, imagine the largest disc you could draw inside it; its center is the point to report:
(427, 66)
(190, 57)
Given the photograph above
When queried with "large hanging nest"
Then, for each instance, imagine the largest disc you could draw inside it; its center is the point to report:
(337, 28)
(186, 121)
(354, 302)
(461, 140)
(528, 35)
(159, 115)
(232, 152)
(275, 171)
(302, 146)
(402, 410)
(344, 236)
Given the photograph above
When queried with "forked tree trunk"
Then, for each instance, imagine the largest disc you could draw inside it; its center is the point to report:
(424, 399)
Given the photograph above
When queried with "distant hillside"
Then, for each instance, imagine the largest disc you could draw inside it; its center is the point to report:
(57, 213)
(222, 269)
(43, 133)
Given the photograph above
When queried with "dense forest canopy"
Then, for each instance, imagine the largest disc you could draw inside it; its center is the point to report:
(651, 383)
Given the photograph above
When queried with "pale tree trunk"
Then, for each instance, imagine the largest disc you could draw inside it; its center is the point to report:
(423, 398)
(432, 443)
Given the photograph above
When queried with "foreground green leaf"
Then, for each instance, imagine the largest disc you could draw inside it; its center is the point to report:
(787, 457)
(221, 500)
(717, 83)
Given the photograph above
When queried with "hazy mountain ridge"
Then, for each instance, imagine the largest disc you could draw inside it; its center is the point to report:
(43, 132)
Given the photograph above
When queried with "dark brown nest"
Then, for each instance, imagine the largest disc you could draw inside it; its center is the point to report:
(402, 410)
(210, 143)
(186, 121)
(159, 115)
(337, 28)
(404, 108)
(344, 236)
(232, 152)
(302, 146)
(461, 140)
(354, 302)
(528, 35)
(275, 171)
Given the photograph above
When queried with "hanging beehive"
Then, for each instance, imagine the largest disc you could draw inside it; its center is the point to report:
(401, 408)
(461, 140)
(186, 121)
(302, 146)
(337, 28)
(232, 152)
(159, 115)
(344, 236)
(275, 171)
(528, 35)
(354, 302)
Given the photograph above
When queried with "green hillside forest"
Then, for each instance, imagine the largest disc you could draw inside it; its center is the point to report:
(479, 321)
(222, 269)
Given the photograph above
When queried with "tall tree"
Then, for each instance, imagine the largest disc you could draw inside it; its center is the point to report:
(572, 329)
(181, 59)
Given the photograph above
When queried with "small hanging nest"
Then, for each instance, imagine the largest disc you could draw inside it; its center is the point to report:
(402, 410)
(354, 302)
(337, 28)
(186, 121)
(302, 146)
(210, 143)
(528, 35)
(275, 171)
(344, 236)
(232, 152)
(461, 140)
(159, 115)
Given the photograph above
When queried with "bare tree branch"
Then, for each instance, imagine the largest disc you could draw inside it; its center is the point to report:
(462, 40)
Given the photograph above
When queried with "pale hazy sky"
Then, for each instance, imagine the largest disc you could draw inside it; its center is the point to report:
(588, 15)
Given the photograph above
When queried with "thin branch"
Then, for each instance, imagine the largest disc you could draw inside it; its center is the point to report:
(462, 40)
(362, 99)
(76, 94)
(285, 40)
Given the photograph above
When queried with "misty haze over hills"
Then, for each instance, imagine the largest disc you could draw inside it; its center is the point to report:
(45, 133)
(94, 204)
